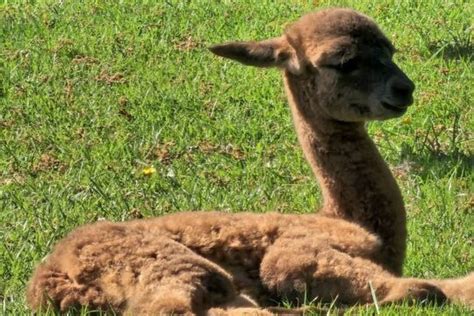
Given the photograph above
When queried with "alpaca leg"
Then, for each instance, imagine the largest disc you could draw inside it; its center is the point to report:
(242, 311)
(163, 300)
(459, 290)
(244, 305)
(179, 299)
(299, 269)
(184, 285)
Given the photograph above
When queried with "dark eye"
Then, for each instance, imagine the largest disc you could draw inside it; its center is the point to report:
(347, 66)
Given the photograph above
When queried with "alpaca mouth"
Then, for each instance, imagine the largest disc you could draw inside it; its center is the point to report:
(394, 108)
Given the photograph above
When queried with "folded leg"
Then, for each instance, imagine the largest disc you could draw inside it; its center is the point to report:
(309, 268)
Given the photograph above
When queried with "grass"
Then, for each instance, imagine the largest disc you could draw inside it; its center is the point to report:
(94, 92)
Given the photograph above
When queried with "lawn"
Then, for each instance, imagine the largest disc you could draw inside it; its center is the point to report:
(120, 112)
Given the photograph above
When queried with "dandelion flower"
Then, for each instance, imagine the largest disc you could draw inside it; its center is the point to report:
(148, 171)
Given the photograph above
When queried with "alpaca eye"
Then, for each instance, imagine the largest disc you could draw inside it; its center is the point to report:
(346, 67)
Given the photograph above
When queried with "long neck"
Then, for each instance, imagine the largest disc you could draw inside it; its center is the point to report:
(356, 183)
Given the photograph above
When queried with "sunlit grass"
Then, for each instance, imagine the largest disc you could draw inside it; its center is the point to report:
(120, 112)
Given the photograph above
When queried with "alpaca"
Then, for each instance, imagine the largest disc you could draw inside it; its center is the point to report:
(338, 73)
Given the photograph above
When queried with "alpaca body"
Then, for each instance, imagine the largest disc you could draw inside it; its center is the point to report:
(209, 262)
(338, 74)
(238, 253)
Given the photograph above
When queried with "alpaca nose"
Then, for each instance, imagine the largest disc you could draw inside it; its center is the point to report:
(402, 90)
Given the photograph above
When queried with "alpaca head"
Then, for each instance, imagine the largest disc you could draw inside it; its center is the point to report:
(338, 63)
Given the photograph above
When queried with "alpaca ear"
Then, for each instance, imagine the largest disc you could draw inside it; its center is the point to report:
(275, 52)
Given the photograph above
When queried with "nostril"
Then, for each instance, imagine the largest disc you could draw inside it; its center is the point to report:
(403, 89)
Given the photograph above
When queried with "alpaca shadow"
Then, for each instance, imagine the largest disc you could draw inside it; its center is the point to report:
(439, 164)
(457, 49)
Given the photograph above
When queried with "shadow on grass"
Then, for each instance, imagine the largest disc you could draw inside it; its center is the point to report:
(453, 50)
(439, 164)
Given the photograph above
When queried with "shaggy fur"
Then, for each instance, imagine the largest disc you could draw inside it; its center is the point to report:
(338, 73)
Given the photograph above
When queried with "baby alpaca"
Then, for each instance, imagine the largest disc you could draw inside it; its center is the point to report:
(338, 73)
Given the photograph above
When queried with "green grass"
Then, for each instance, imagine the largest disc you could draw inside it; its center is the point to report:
(93, 92)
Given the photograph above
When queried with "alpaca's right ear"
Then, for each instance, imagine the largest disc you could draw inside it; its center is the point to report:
(275, 52)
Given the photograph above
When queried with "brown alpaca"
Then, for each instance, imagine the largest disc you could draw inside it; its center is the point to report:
(338, 73)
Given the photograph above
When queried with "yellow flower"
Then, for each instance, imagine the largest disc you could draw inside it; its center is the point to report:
(406, 120)
(148, 171)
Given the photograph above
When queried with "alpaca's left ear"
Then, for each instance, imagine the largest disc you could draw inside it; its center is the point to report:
(275, 52)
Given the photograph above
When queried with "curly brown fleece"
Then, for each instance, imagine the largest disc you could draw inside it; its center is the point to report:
(338, 73)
